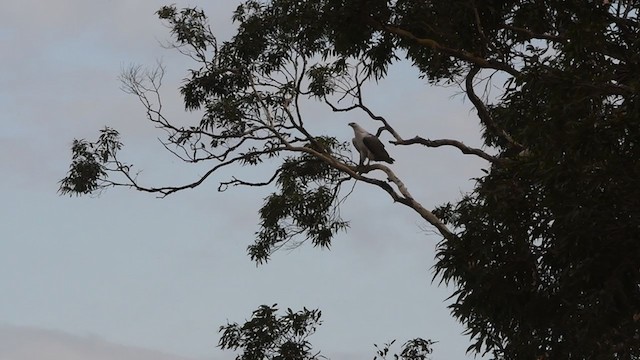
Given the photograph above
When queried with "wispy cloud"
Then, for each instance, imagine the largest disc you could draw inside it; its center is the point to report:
(24, 343)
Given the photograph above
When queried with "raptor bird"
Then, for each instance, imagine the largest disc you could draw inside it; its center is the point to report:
(369, 146)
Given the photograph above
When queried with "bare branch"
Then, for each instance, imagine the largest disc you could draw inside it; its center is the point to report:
(360, 105)
(168, 190)
(408, 200)
(448, 142)
(237, 182)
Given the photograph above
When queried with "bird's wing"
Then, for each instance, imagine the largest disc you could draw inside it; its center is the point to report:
(358, 145)
(376, 148)
(362, 149)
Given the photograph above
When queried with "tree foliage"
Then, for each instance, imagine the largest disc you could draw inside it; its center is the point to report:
(544, 253)
(270, 336)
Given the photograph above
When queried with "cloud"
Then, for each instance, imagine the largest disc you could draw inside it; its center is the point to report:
(25, 343)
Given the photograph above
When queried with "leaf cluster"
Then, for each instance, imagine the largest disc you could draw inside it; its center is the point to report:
(88, 163)
(552, 238)
(552, 235)
(269, 336)
(305, 205)
(414, 349)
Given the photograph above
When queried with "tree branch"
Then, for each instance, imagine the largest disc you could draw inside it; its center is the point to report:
(168, 190)
(457, 53)
(448, 142)
(404, 197)
(483, 112)
(236, 182)
(532, 35)
(266, 118)
(409, 201)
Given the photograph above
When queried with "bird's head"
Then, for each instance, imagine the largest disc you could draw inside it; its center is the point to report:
(353, 125)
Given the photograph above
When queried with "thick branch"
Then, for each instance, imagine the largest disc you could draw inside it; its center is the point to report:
(409, 201)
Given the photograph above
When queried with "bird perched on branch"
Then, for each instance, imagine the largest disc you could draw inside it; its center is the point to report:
(369, 146)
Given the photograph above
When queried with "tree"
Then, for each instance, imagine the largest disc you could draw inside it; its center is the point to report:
(544, 252)
(267, 336)
(272, 337)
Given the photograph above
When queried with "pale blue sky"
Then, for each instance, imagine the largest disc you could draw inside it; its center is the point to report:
(134, 271)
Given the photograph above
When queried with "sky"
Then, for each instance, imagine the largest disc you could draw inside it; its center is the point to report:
(125, 275)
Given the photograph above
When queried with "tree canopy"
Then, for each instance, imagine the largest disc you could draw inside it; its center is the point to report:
(544, 253)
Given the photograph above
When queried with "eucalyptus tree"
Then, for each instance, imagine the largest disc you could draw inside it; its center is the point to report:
(544, 253)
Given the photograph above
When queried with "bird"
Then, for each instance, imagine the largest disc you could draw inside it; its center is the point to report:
(369, 146)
